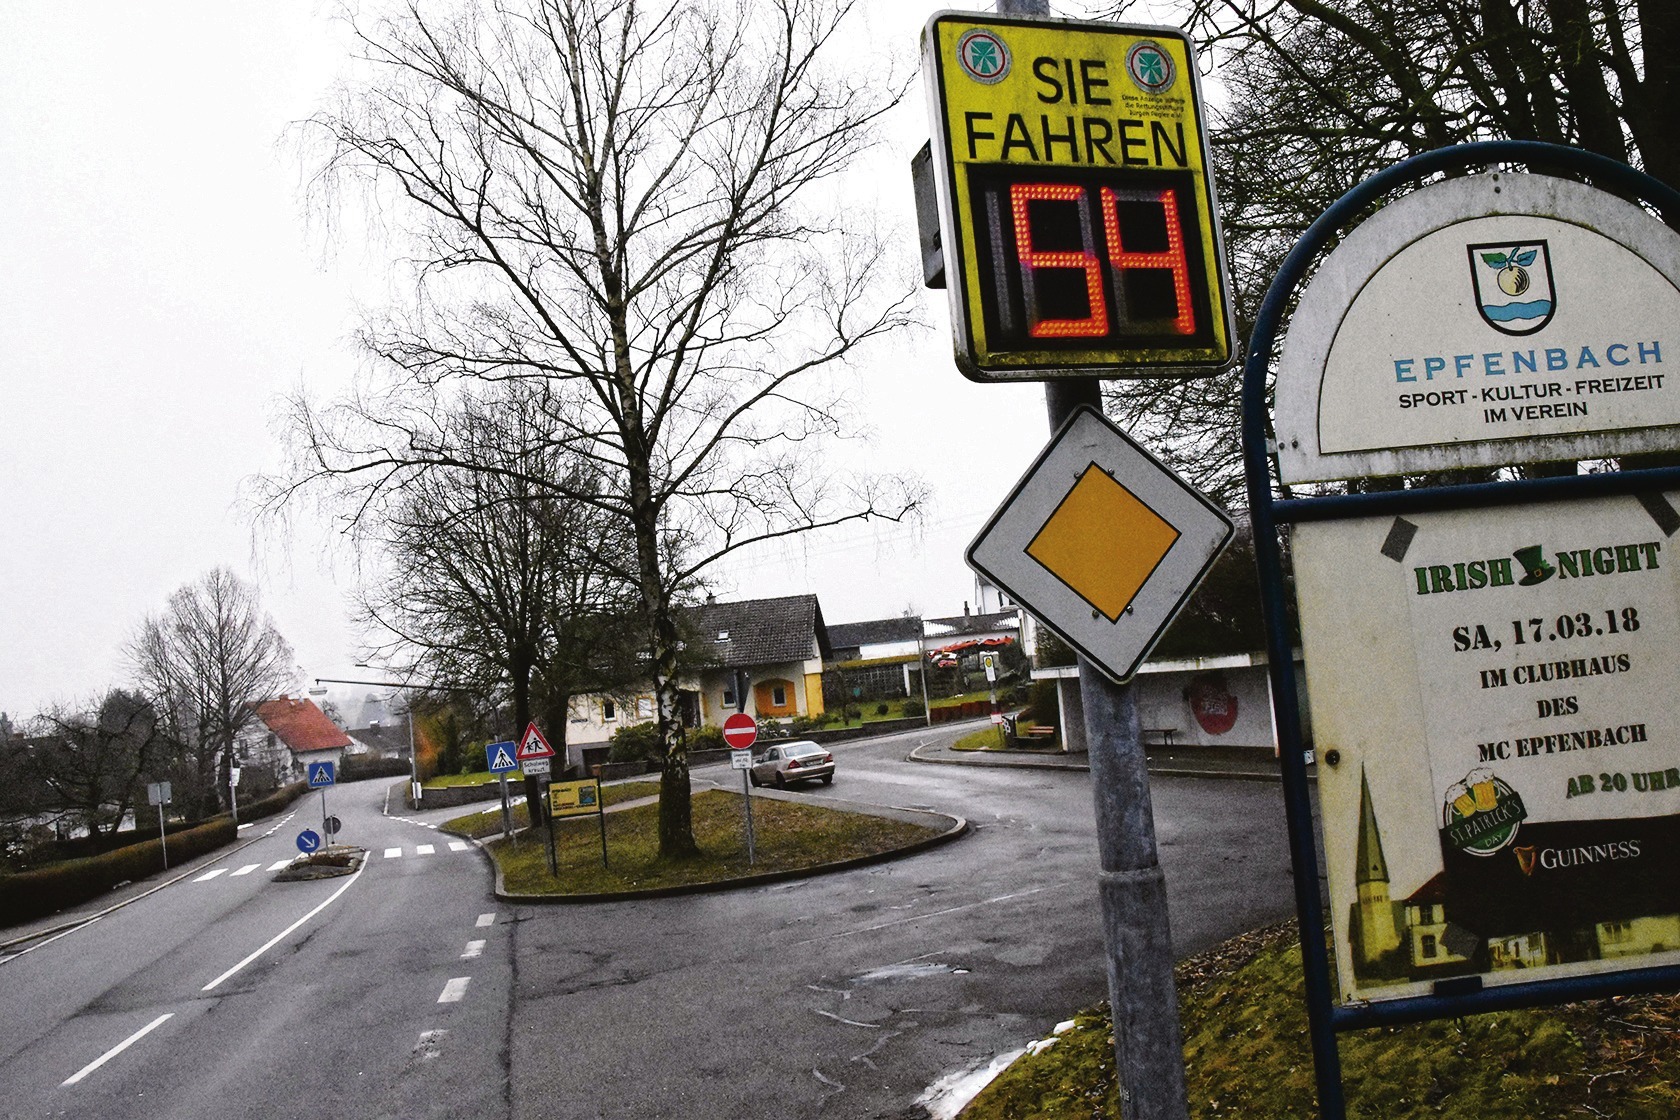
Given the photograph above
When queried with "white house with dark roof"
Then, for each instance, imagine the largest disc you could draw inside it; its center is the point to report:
(776, 646)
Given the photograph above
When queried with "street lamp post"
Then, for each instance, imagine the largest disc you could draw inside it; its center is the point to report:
(413, 757)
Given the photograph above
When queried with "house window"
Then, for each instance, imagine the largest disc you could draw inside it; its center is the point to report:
(644, 707)
(778, 696)
(608, 712)
(1427, 948)
(728, 697)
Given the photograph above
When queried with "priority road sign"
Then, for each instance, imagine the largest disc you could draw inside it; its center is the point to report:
(740, 731)
(321, 775)
(1101, 542)
(533, 745)
(1077, 211)
(499, 757)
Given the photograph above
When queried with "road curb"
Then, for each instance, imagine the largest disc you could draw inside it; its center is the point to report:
(1028, 762)
(955, 828)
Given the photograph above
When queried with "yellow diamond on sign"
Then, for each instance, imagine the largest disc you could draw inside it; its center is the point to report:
(1103, 542)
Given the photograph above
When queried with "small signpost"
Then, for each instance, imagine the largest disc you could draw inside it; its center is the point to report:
(577, 799)
(160, 794)
(500, 760)
(321, 775)
(536, 758)
(233, 793)
(308, 841)
(740, 731)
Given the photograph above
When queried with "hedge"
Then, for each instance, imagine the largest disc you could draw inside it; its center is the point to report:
(47, 890)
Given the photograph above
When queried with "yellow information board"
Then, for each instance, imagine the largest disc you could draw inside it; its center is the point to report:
(575, 799)
(1076, 201)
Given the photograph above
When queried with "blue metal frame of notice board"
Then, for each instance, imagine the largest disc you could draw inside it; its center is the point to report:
(1464, 995)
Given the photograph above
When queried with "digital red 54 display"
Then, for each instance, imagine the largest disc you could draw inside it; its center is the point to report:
(1082, 261)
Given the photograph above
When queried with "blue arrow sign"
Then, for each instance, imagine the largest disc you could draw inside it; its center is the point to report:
(308, 840)
(320, 774)
(500, 757)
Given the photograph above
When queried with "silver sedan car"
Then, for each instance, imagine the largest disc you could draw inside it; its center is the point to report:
(795, 761)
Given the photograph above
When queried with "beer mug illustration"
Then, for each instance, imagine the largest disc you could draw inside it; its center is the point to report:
(1486, 797)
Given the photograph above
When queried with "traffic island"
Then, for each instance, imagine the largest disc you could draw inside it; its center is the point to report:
(794, 837)
(328, 863)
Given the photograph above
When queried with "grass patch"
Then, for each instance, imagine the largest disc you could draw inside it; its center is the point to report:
(788, 836)
(476, 778)
(986, 739)
(1247, 1057)
(489, 821)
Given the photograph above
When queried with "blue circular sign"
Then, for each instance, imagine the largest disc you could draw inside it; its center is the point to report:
(308, 840)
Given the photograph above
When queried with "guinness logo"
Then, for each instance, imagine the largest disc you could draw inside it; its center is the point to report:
(1525, 857)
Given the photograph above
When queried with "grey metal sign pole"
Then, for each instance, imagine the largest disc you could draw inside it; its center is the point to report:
(1148, 1042)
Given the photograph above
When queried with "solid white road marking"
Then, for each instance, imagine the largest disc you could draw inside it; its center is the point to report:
(486, 920)
(393, 853)
(119, 1048)
(277, 938)
(279, 863)
(210, 874)
(423, 849)
(246, 870)
(474, 949)
(458, 845)
(455, 989)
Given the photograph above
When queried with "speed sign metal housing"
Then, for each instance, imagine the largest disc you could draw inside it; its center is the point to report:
(1076, 200)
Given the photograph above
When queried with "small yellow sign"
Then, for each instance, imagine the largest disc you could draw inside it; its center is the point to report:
(575, 799)
(1103, 542)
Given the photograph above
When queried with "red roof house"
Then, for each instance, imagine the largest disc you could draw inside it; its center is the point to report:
(304, 731)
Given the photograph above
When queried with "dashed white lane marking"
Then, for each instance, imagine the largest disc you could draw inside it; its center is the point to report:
(393, 853)
(283, 934)
(486, 920)
(458, 845)
(423, 849)
(246, 870)
(119, 1048)
(278, 864)
(474, 949)
(455, 989)
(210, 874)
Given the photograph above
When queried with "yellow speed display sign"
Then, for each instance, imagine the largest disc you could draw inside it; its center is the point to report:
(1076, 206)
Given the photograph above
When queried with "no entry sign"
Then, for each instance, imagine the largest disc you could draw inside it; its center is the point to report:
(740, 731)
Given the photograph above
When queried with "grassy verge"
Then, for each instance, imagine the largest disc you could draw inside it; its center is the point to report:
(986, 739)
(1247, 1058)
(489, 822)
(788, 836)
(477, 778)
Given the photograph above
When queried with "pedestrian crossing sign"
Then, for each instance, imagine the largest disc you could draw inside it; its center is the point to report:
(320, 775)
(499, 757)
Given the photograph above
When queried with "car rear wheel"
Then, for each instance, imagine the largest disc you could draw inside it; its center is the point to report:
(828, 779)
(753, 778)
(781, 780)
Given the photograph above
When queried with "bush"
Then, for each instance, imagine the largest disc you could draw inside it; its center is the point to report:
(638, 742)
(706, 739)
(47, 890)
(914, 707)
(356, 767)
(881, 709)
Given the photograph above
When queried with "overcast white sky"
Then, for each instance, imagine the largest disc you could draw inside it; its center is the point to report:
(160, 287)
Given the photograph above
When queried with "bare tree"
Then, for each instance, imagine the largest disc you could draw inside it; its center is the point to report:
(86, 763)
(636, 211)
(203, 662)
(492, 584)
(1320, 94)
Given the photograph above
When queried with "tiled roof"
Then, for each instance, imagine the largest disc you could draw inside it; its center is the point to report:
(382, 738)
(760, 631)
(851, 635)
(301, 725)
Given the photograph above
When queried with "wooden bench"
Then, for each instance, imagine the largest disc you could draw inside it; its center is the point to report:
(1166, 734)
(1040, 731)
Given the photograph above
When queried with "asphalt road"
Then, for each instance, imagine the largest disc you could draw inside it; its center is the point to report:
(407, 991)
(227, 994)
(848, 995)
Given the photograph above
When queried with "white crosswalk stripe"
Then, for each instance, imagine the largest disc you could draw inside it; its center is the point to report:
(393, 853)
(278, 864)
(210, 874)
(246, 870)
(458, 845)
(423, 849)
(455, 989)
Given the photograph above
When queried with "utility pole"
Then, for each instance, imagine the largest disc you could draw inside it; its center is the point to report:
(1148, 1040)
